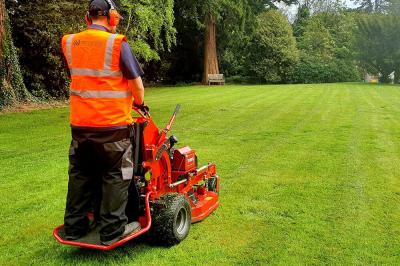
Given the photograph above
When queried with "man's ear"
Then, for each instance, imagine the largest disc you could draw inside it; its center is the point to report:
(88, 19)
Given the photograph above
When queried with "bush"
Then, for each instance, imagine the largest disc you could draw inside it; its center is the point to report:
(38, 39)
(12, 88)
(242, 79)
(327, 50)
(312, 70)
(272, 52)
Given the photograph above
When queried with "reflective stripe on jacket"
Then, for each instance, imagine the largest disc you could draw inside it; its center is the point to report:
(99, 94)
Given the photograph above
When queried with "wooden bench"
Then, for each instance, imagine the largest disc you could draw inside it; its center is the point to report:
(216, 78)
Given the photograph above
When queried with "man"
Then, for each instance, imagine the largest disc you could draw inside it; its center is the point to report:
(105, 82)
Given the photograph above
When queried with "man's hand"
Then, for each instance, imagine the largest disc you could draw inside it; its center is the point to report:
(142, 107)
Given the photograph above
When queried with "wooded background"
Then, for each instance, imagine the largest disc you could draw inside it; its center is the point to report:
(181, 41)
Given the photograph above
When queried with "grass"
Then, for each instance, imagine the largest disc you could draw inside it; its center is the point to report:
(310, 175)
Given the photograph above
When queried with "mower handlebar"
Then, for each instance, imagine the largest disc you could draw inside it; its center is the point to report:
(171, 121)
(143, 113)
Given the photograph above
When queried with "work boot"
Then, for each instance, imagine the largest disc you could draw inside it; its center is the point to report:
(92, 225)
(129, 229)
(73, 237)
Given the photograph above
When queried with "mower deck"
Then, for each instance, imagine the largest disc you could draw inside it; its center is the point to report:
(206, 205)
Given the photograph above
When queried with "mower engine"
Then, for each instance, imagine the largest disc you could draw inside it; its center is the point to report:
(184, 162)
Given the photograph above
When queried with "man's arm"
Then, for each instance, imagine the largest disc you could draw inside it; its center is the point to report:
(132, 71)
(137, 88)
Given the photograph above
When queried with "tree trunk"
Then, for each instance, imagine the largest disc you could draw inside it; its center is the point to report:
(210, 49)
(12, 88)
(2, 25)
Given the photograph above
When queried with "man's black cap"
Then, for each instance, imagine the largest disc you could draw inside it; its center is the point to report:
(100, 7)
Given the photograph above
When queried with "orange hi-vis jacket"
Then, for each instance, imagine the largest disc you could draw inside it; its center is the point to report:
(99, 93)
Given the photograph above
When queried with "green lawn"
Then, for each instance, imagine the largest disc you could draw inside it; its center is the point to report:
(310, 175)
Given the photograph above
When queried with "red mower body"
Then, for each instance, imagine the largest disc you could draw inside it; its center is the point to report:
(160, 171)
(184, 160)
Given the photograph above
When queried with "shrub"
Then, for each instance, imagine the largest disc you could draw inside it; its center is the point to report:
(272, 52)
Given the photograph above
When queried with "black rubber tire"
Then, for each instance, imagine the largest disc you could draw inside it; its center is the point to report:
(171, 220)
(212, 184)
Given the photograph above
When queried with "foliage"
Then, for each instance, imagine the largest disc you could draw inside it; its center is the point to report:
(149, 24)
(313, 70)
(327, 49)
(38, 39)
(149, 27)
(321, 6)
(236, 31)
(372, 6)
(393, 7)
(273, 52)
(303, 14)
(325, 40)
(236, 22)
(378, 39)
(234, 39)
(12, 88)
(183, 63)
(317, 40)
(379, 6)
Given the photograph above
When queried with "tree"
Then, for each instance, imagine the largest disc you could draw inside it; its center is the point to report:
(211, 12)
(378, 39)
(379, 6)
(302, 16)
(149, 27)
(372, 6)
(316, 51)
(12, 89)
(273, 52)
(327, 49)
(210, 48)
(183, 63)
(311, 7)
(319, 6)
(393, 7)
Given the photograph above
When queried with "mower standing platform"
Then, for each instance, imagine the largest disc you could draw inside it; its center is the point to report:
(168, 192)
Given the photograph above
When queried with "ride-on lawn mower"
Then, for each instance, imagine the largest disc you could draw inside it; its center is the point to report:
(168, 192)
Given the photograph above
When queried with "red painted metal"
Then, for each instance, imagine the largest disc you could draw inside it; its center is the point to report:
(207, 204)
(177, 176)
(184, 160)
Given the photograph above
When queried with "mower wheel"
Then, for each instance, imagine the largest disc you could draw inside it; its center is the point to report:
(212, 184)
(171, 220)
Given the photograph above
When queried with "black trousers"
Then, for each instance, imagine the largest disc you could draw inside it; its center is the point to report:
(100, 172)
